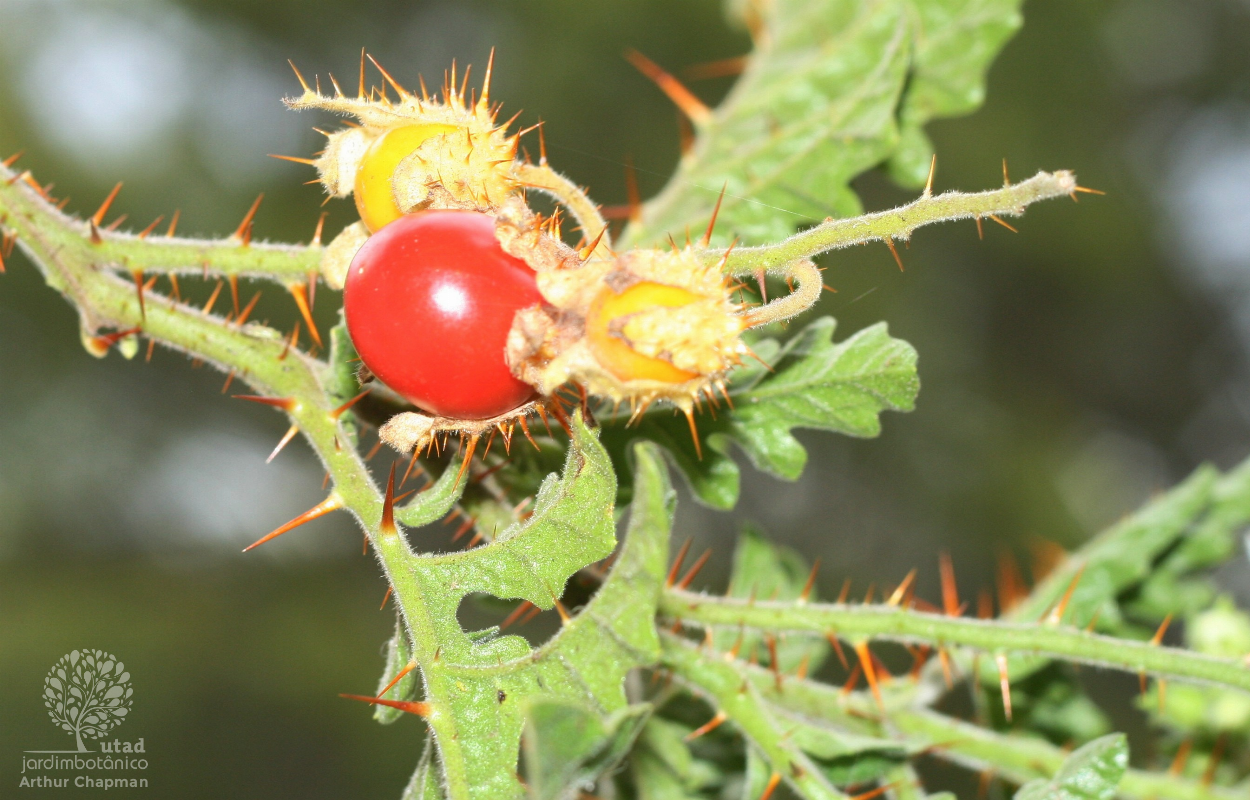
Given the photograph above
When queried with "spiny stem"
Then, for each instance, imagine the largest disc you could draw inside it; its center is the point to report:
(70, 263)
(898, 624)
(583, 209)
(729, 692)
(1016, 758)
(898, 223)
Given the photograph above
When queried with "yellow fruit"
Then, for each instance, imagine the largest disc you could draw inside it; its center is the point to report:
(605, 325)
(375, 199)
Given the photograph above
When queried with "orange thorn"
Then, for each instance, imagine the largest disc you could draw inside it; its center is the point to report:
(403, 93)
(866, 661)
(151, 347)
(945, 659)
(845, 592)
(586, 251)
(361, 96)
(244, 231)
(138, 276)
(801, 672)
(950, 591)
(928, 184)
(720, 68)
(681, 556)
(385, 597)
(299, 76)
(94, 233)
(773, 780)
(143, 234)
(853, 680)
(633, 198)
(880, 790)
(1004, 684)
(98, 218)
(173, 224)
(284, 403)
(707, 235)
(1162, 629)
(833, 640)
(490, 66)
(387, 524)
(321, 224)
(706, 727)
(290, 342)
(1000, 222)
(1217, 752)
(1056, 615)
(980, 232)
(295, 159)
(897, 597)
(516, 613)
(1006, 180)
(1182, 756)
(234, 293)
(692, 106)
(694, 569)
(468, 456)
(297, 291)
(1087, 190)
(11, 160)
(811, 583)
(225, 387)
(771, 643)
(331, 503)
(889, 242)
(212, 298)
(565, 619)
(103, 343)
(694, 432)
(420, 709)
(247, 310)
(286, 438)
(464, 528)
(399, 676)
(338, 412)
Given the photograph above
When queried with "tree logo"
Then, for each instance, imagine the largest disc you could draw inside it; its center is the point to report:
(87, 694)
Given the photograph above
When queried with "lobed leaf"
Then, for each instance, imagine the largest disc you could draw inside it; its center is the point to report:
(833, 88)
(810, 382)
(1093, 772)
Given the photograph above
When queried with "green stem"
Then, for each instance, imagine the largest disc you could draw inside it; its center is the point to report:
(71, 263)
(898, 624)
(1013, 757)
(898, 223)
(730, 693)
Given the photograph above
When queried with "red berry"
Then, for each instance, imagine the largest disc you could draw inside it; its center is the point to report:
(429, 300)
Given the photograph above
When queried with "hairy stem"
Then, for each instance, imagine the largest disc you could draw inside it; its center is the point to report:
(1016, 758)
(723, 685)
(899, 624)
(70, 262)
(583, 209)
(898, 223)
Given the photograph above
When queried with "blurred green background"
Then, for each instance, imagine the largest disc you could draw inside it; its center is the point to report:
(1068, 371)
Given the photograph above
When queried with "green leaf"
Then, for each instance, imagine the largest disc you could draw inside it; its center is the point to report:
(1091, 773)
(764, 570)
(663, 766)
(572, 526)
(587, 661)
(812, 383)
(398, 655)
(567, 746)
(834, 87)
